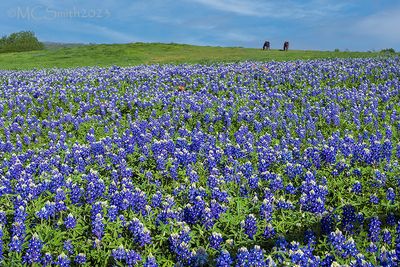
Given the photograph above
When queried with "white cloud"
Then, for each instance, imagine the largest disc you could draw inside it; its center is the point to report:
(234, 6)
(191, 22)
(85, 32)
(275, 9)
(105, 32)
(239, 37)
(165, 19)
(383, 25)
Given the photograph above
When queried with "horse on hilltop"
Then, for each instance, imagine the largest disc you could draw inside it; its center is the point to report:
(266, 45)
(286, 46)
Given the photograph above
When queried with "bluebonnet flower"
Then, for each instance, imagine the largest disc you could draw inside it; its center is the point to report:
(215, 240)
(360, 261)
(266, 209)
(112, 213)
(281, 243)
(387, 258)
(374, 229)
(20, 213)
(139, 202)
(224, 259)
(195, 211)
(70, 222)
(349, 248)
(269, 231)
(219, 195)
(337, 239)
(156, 199)
(48, 211)
(253, 181)
(132, 258)
(313, 195)
(193, 177)
(247, 169)
(348, 218)
(357, 172)
(243, 190)
(63, 260)
(47, 259)
(372, 248)
(298, 256)
(119, 253)
(16, 242)
(397, 241)
(270, 262)
(216, 209)
(387, 149)
(376, 151)
(33, 253)
(360, 218)
(328, 154)
(256, 257)
(98, 226)
(373, 198)
(59, 200)
(391, 219)
(290, 170)
(250, 226)
(242, 258)
(141, 235)
(276, 183)
(150, 125)
(379, 179)
(390, 195)
(284, 204)
(179, 244)
(68, 247)
(199, 258)
(357, 188)
(309, 237)
(1, 243)
(96, 209)
(76, 194)
(80, 259)
(3, 218)
(95, 187)
(290, 189)
(387, 237)
(150, 262)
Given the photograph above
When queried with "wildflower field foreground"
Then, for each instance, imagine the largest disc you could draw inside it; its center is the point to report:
(244, 164)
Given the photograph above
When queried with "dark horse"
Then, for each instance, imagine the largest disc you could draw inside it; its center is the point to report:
(266, 45)
(286, 46)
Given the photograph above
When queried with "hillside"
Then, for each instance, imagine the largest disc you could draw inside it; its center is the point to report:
(153, 53)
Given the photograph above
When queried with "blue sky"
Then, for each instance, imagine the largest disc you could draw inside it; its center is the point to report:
(359, 25)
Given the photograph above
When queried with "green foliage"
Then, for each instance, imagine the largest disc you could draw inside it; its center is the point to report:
(388, 50)
(19, 42)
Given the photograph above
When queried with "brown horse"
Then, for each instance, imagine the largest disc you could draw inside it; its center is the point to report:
(266, 45)
(286, 46)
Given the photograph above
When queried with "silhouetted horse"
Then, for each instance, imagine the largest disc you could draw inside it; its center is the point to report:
(266, 45)
(286, 46)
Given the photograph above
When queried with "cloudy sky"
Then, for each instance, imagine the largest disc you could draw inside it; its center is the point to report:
(358, 25)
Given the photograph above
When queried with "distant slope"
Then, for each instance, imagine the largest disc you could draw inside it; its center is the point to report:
(151, 53)
(56, 45)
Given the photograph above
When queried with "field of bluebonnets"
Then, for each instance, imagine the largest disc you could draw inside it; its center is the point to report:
(245, 164)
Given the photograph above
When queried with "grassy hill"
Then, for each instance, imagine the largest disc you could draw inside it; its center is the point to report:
(150, 53)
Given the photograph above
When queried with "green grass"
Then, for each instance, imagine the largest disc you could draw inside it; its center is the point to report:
(151, 53)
